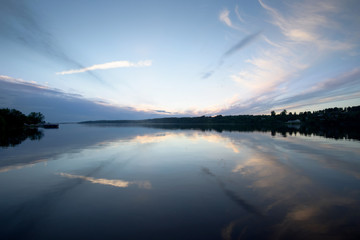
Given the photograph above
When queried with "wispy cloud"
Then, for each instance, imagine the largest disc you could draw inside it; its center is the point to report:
(342, 87)
(237, 47)
(208, 74)
(241, 19)
(278, 75)
(20, 24)
(241, 44)
(109, 65)
(309, 23)
(224, 17)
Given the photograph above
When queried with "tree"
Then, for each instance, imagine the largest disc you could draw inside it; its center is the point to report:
(273, 113)
(11, 118)
(35, 118)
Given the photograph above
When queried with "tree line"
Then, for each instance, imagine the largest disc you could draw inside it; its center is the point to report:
(345, 117)
(348, 116)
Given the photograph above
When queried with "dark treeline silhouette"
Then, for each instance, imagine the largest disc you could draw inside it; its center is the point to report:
(15, 126)
(335, 123)
(14, 119)
(348, 116)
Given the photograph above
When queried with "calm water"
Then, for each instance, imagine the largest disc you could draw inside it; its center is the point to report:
(92, 182)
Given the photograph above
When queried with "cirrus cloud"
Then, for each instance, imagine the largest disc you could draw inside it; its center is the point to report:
(109, 65)
(224, 17)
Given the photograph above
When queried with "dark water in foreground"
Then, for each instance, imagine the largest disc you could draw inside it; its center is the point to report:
(82, 182)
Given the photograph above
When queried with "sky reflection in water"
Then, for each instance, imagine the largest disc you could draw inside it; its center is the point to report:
(135, 183)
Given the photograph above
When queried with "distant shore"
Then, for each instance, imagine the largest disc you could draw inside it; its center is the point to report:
(335, 123)
(343, 117)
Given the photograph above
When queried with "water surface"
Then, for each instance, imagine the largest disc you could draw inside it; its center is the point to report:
(92, 182)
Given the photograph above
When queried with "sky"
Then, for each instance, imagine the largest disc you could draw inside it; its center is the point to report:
(90, 60)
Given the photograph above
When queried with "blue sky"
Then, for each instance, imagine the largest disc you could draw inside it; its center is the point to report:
(86, 60)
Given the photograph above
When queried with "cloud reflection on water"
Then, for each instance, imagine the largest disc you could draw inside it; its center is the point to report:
(193, 136)
(20, 166)
(277, 170)
(232, 195)
(303, 185)
(111, 182)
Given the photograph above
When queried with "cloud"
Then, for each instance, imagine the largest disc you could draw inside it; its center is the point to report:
(21, 25)
(310, 23)
(342, 87)
(241, 44)
(237, 47)
(109, 65)
(285, 73)
(224, 17)
(163, 112)
(238, 14)
(208, 74)
(60, 106)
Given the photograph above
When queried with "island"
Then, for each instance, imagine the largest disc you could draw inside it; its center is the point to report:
(15, 126)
